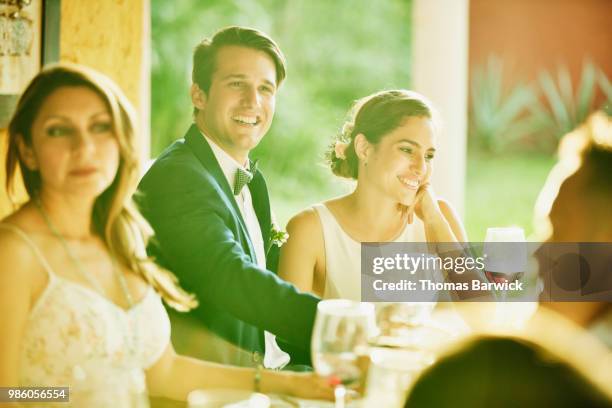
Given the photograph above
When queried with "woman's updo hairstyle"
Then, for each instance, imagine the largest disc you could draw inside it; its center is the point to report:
(374, 116)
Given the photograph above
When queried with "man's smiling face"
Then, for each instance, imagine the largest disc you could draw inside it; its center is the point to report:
(239, 107)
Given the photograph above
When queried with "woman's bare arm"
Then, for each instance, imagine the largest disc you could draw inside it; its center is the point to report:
(442, 224)
(174, 376)
(302, 254)
(453, 220)
(16, 271)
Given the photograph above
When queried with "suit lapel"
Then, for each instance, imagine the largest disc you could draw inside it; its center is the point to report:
(201, 149)
(261, 205)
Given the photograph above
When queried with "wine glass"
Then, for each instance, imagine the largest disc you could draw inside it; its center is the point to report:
(340, 337)
(506, 258)
(505, 254)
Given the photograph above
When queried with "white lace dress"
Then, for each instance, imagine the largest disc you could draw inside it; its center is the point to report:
(75, 337)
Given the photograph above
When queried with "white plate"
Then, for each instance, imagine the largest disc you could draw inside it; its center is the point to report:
(232, 399)
(229, 398)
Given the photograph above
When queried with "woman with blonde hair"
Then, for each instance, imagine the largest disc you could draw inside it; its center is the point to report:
(80, 302)
(388, 147)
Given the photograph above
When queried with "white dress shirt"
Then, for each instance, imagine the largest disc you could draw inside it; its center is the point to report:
(274, 357)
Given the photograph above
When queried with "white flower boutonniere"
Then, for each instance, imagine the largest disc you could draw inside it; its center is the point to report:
(277, 235)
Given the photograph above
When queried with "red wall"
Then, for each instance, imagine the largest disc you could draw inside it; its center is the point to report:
(531, 35)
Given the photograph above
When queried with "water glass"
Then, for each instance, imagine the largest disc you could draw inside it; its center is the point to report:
(391, 373)
(341, 334)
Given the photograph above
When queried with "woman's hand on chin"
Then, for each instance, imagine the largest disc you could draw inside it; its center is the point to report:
(426, 204)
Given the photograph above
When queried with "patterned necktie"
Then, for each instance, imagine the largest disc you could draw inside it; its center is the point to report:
(243, 177)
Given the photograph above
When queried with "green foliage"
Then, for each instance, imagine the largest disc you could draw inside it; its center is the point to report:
(337, 51)
(501, 190)
(566, 109)
(501, 114)
(606, 88)
(498, 116)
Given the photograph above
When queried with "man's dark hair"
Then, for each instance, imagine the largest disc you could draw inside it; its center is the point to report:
(205, 53)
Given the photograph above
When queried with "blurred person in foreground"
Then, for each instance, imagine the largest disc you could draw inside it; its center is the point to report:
(575, 205)
(80, 302)
(209, 207)
(518, 371)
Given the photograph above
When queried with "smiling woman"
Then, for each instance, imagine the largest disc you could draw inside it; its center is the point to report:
(388, 146)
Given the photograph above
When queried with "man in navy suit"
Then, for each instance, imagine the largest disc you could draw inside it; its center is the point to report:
(212, 230)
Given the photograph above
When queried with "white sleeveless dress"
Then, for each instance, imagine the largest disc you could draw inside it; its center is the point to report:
(75, 337)
(343, 255)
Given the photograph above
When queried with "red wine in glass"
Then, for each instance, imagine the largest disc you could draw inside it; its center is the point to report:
(503, 277)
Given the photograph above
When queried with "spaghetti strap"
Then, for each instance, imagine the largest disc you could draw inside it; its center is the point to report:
(323, 212)
(18, 231)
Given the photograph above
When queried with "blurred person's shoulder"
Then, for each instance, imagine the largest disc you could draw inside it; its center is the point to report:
(602, 327)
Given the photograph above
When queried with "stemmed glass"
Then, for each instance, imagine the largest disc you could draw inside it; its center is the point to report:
(506, 254)
(506, 261)
(340, 336)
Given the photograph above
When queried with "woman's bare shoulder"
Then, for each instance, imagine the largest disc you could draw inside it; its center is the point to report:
(15, 250)
(24, 218)
(305, 222)
(19, 265)
(337, 203)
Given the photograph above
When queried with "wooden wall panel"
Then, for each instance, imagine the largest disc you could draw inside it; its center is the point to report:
(112, 36)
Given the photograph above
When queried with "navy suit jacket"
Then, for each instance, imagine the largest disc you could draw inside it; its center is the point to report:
(201, 237)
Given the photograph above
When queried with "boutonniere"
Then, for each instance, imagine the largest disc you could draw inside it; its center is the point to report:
(278, 236)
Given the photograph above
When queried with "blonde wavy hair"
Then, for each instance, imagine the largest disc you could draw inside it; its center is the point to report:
(116, 218)
(586, 152)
